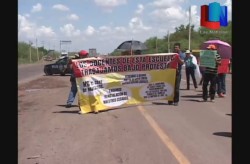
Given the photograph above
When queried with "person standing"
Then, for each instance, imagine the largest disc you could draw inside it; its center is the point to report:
(176, 63)
(210, 75)
(73, 89)
(202, 72)
(190, 66)
(223, 69)
(221, 85)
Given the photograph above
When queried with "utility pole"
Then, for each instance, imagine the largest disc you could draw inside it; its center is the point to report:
(64, 42)
(30, 43)
(168, 43)
(37, 51)
(131, 50)
(189, 33)
(156, 46)
(42, 42)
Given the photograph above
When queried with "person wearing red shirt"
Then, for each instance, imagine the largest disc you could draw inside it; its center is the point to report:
(176, 63)
(73, 89)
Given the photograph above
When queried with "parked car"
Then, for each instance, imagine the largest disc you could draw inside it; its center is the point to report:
(59, 67)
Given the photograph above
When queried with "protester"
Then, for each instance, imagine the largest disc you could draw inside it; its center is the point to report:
(202, 69)
(221, 85)
(210, 75)
(190, 67)
(73, 89)
(223, 69)
(176, 63)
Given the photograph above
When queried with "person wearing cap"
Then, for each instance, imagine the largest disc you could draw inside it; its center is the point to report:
(73, 89)
(190, 66)
(210, 75)
(176, 63)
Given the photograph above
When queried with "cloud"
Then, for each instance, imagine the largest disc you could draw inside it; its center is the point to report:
(174, 13)
(120, 29)
(27, 15)
(108, 5)
(73, 17)
(69, 30)
(60, 7)
(25, 27)
(30, 30)
(37, 8)
(105, 30)
(90, 31)
(195, 17)
(137, 26)
(140, 9)
(166, 3)
(45, 32)
(228, 3)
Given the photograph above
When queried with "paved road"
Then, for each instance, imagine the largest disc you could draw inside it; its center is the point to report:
(30, 71)
(193, 132)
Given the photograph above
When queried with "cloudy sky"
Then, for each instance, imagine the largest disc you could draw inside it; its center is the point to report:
(103, 24)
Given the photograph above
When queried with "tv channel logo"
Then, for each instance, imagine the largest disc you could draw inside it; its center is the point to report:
(213, 16)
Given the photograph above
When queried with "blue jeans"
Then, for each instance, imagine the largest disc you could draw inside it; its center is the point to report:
(221, 83)
(72, 93)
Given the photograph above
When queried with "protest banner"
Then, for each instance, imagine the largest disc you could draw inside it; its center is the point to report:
(207, 58)
(113, 81)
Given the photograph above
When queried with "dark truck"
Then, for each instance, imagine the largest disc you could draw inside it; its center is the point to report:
(59, 67)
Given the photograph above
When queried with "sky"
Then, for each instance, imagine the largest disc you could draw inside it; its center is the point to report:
(103, 24)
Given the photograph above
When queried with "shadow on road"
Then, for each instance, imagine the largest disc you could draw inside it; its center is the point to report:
(195, 100)
(57, 75)
(101, 111)
(68, 111)
(192, 96)
(71, 106)
(182, 89)
(159, 103)
(223, 134)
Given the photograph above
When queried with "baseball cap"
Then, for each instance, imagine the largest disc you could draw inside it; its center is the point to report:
(212, 46)
(188, 52)
(83, 53)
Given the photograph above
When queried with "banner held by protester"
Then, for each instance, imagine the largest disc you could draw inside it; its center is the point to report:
(112, 81)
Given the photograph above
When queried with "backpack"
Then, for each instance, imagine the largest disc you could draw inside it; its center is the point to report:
(189, 62)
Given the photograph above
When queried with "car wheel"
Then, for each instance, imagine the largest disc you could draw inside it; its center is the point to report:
(45, 71)
(48, 72)
(62, 73)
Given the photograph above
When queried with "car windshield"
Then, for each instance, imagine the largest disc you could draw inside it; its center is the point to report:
(62, 61)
